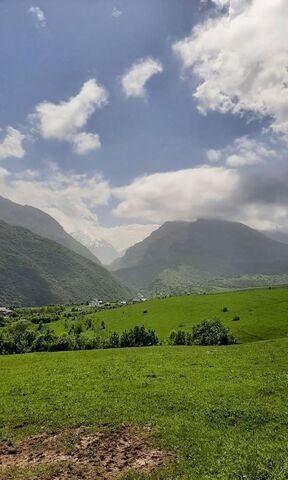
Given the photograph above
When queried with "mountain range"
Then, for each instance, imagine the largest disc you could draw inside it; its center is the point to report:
(188, 256)
(40, 263)
(102, 249)
(42, 224)
(37, 271)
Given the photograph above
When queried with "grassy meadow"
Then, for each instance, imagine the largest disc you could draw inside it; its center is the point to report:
(263, 314)
(222, 412)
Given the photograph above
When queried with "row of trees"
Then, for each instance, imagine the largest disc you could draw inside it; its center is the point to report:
(23, 336)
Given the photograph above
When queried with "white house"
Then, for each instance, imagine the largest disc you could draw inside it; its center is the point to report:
(96, 303)
(5, 312)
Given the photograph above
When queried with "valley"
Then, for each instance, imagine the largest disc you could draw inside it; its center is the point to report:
(211, 412)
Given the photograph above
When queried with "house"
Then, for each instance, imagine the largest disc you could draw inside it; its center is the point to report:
(141, 297)
(96, 303)
(5, 312)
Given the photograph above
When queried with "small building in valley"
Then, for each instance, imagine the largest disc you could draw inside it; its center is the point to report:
(5, 312)
(96, 303)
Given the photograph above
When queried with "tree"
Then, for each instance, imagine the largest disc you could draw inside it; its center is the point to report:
(211, 332)
(177, 338)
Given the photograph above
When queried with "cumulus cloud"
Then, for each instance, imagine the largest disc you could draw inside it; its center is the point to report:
(116, 13)
(184, 194)
(135, 79)
(85, 142)
(39, 16)
(72, 199)
(64, 120)
(11, 145)
(69, 197)
(244, 151)
(240, 59)
(214, 155)
(221, 3)
(258, 197)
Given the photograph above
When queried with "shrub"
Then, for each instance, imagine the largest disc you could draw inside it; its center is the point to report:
(236, 319)
(113, 341)
(211, 332)
(82, 342)
(177, 338)
(63, 343)
(42, 342)
(225, 309)
(78, 328)
(138, 337)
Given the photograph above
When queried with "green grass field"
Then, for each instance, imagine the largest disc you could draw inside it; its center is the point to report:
(263, 314)
(221, 411)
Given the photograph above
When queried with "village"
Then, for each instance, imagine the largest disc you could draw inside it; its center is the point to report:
(96, 303)
(6, 312)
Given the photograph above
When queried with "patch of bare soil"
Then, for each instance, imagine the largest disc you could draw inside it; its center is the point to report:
(82, 454)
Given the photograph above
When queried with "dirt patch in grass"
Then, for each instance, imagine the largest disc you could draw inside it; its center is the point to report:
(82, 453)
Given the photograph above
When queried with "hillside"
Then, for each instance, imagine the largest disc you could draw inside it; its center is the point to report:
(37, 271)
(221, 402)
(180, 256)
(42, 224)
(220, 411)
(262, 314)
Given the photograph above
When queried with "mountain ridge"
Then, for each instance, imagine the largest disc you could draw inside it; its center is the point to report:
(37, 271)
(214, 247)
(41, 223)
(99, 247)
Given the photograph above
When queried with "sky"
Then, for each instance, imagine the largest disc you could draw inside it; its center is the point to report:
(116, 116)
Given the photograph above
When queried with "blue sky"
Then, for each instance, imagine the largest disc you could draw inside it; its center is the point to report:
(49, 51)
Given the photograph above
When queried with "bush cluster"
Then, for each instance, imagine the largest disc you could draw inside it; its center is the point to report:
(23, 336)
(209, 332)
(136, 337)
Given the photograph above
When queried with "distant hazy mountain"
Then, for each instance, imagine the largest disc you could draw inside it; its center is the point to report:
(38, 271)
(195, 253)
(103, 250)
(42, 224)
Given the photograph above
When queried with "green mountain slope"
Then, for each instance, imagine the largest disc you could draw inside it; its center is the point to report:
(192, 255)
(37, 271)
(42, 224)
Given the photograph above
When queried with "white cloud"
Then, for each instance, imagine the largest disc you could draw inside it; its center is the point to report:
(120, 236)
(135, 79)
(62, 121)
(213, 155)
(116, 13)
(259, 200)
(244, 151)
(183, 194)
(11, 145)
(39, 16)
(240, 60)
(85, 142)
(72, 200)
(221, 3)
(69, 197)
